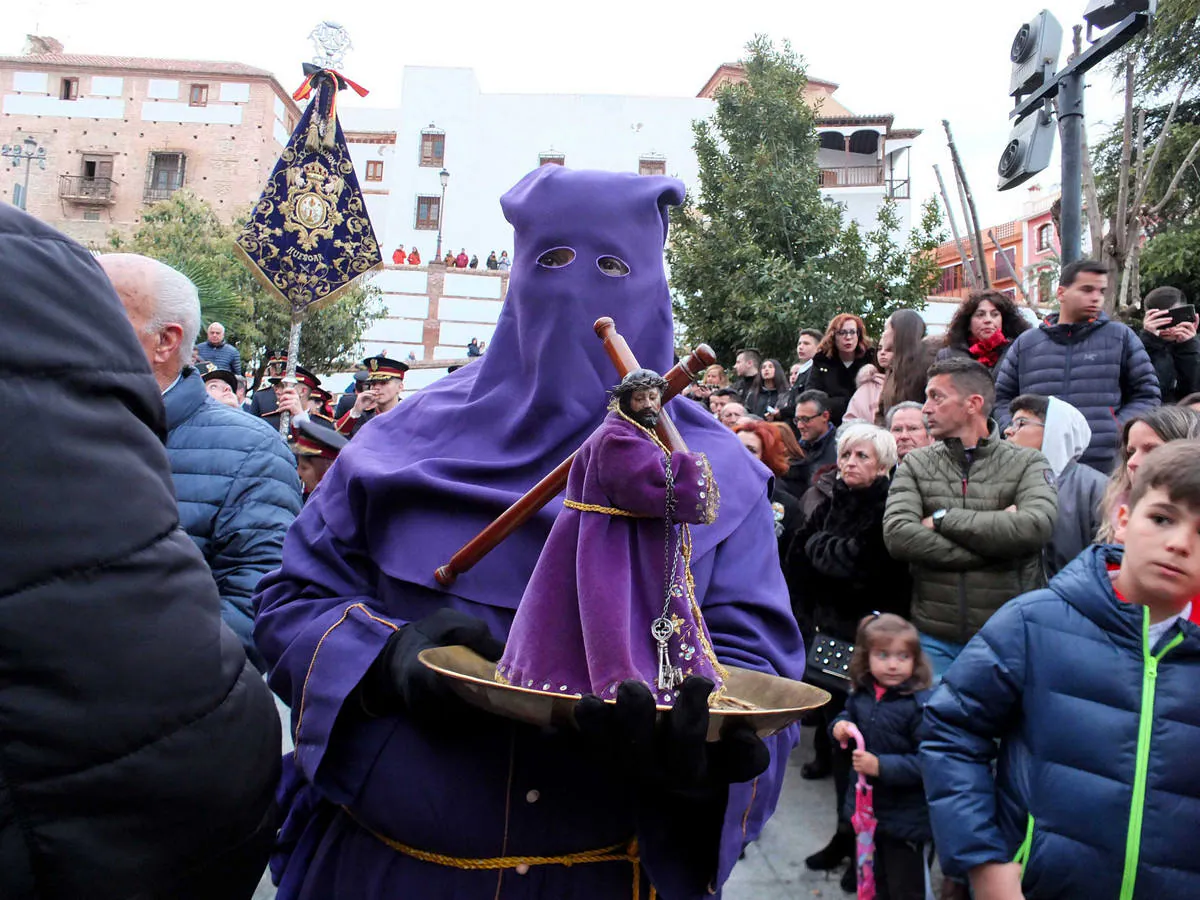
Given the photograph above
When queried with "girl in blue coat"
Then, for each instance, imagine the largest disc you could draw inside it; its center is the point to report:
(891, 678)
(1084, 695)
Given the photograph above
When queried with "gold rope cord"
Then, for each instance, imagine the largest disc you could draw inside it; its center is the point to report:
(606, 510)
(626, 851)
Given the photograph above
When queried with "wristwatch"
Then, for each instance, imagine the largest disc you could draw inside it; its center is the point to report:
(937, 519)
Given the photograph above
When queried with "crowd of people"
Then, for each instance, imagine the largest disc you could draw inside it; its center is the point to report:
(921, 484)
(989, 542)
(453, 260)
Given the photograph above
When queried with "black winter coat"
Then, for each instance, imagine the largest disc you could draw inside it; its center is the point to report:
(139, 751)
(839, 563)
(837, 380)
(889, 728)
(1177, 365)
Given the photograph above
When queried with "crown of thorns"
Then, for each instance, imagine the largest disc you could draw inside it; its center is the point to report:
(639, 379)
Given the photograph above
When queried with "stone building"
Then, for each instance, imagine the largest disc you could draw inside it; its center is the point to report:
(121, 133)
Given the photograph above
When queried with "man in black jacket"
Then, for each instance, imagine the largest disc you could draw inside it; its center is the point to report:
(139, 749)
(1173, 347)
(818, 440)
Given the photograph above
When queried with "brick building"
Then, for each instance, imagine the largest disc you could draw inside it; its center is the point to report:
(121, 133)
(1031, 244)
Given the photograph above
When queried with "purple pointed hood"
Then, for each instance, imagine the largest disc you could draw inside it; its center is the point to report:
(424, 479)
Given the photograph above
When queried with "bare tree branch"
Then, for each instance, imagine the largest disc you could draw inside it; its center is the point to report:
(1158, 148)
(1158, 207)
(972, 216)
(1119, 223)
(968, 269)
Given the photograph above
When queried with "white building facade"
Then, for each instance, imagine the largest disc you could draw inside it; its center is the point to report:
(488, 142)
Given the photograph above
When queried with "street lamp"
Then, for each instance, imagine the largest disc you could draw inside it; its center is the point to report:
(28, 152)
(444, 176)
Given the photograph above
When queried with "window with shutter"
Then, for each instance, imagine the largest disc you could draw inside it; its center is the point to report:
(429, 211)
(374, 170)
(69, 90)
(433, 149)
(551, 159)
(198, 95)
(164, 176)
(652, 166)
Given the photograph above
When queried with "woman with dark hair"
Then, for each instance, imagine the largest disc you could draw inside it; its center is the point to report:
(769, 388)
(983, 328)
(844, 350)
(912, 353)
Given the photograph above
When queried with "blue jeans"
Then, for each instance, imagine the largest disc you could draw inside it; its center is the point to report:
(941, 654)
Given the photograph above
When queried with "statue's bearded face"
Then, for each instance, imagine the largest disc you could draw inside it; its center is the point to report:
(644, 406)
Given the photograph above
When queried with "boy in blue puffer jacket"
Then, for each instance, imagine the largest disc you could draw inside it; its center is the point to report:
(1090, 687)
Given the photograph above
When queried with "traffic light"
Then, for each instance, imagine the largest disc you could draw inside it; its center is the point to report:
(1034, 53)
(1028, 150)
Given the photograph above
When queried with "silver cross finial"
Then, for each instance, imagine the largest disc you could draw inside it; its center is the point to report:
(330, 43)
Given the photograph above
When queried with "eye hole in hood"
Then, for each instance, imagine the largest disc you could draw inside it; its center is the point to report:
(556, 258)
(612, 266)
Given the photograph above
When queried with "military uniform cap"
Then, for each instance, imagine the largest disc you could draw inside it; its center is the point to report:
(383, 368)
(208, 371)
(303, 376)
(312, 439)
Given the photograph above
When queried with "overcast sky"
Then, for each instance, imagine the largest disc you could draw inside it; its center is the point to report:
(923, 60)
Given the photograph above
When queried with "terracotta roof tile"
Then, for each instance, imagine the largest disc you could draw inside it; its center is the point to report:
(182, 66)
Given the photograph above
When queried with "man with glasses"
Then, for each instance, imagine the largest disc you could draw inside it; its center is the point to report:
(1062, 433)
(817, 440)
(907, 424)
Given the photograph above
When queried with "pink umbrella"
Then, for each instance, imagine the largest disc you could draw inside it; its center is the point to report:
(864, 823)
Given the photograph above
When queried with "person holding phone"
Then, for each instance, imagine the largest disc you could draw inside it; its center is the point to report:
(1169, 336)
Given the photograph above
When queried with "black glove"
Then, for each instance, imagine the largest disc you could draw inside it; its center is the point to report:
(398, 680)
(671, 753)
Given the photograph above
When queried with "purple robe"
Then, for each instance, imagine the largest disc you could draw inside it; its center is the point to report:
(583, 625)
(411, 489)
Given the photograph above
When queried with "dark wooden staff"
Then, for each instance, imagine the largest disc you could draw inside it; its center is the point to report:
(680, 376)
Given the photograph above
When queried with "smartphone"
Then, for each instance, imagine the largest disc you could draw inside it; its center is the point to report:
(1182, 314)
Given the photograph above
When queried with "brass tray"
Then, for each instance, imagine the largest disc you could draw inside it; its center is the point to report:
(777, 702)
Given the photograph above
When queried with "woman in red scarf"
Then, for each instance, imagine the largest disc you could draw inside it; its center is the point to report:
(983, 328)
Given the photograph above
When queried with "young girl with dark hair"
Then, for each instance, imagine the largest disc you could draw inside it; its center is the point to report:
(768, 390)
(892, 679)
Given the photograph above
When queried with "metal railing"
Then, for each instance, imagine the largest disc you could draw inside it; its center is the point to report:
(898, 189)
(154, 194)
(86, 189)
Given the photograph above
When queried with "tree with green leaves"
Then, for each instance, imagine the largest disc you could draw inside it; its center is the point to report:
(758, 253)
(1147, 182)
(185, 232)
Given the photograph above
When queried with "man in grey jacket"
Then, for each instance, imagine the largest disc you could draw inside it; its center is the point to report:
(1061, 432)
(970, 513)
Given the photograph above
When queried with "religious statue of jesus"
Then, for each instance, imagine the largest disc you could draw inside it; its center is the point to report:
(611, 598)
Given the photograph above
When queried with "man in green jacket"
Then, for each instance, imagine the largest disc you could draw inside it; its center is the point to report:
(970, 513)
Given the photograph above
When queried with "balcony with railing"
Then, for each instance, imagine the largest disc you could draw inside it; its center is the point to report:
(85, 189)
(851, 176)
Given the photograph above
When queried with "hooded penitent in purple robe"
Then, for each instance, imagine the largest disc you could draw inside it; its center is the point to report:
(414, 486)
(583, 625)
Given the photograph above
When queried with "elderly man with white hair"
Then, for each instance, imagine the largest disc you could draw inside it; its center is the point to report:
(235, 480)
(219, 353)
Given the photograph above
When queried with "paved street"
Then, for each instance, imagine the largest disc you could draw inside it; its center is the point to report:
(774, 866)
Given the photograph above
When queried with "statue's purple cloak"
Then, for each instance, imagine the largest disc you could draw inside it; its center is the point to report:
(583, 625)
(416, 484)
